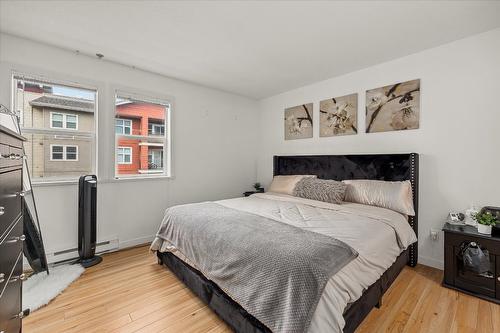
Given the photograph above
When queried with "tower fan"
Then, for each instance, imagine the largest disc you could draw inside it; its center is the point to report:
(87, 220)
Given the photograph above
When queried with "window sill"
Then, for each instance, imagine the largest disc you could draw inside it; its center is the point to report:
(104, 181)
(54, 183)
(139, 178)
(150, 172)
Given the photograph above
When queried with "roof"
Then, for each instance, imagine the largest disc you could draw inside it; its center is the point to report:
(65, 103)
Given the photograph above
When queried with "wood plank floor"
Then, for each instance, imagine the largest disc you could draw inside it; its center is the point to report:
(129, 292)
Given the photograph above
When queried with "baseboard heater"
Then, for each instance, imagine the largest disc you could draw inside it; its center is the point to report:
(72, 254)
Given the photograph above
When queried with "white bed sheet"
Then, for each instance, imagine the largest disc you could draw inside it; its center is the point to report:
(378, 234)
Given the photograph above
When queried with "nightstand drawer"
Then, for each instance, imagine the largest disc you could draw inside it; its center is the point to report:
(492, 244)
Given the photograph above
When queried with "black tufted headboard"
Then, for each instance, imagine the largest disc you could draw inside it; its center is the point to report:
(389, 167)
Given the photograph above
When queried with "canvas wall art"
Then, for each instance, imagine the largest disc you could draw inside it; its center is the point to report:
(338, 116)
(393, 108)
(299, 122)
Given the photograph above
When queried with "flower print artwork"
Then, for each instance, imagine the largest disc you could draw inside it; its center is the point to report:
(393, 108)
(299, 122)
(338, 116)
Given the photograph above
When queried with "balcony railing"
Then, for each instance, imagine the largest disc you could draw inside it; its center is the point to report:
(154, 166)
(138, 133)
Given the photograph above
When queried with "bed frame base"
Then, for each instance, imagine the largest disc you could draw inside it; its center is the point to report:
(372, 297)
(227, 309)
(241, 321)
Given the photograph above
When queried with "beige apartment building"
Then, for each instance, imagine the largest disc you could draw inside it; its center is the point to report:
(60, 133)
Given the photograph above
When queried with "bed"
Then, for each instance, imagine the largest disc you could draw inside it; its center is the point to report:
(343, 304)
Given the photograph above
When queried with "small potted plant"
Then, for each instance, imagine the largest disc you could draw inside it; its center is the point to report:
(484, 222)
(258, 187)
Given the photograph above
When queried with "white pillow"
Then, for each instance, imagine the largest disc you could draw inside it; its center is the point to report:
(286, 184)
(392, 195)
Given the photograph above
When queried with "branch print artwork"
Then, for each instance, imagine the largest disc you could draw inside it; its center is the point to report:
(299, 122)
(338, 116)
(393, 108)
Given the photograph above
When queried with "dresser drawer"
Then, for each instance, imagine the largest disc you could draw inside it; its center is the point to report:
(10, 303)
(10, 249)
(11, 139)
(4, 152)
(10, 156)
(10, 202)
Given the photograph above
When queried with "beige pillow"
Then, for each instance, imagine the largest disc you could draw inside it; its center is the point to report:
(286, 184)
(392, 195)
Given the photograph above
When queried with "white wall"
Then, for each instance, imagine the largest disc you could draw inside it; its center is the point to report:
(458, 139)
(213, 145)
(221, 145)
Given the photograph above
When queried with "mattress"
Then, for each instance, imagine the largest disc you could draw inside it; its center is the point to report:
(378, 234)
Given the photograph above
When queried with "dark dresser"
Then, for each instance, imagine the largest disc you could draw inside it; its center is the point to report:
(11, 231)
(456, 276)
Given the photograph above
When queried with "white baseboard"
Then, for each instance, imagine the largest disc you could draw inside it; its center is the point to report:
(431, 262)
(135, 242)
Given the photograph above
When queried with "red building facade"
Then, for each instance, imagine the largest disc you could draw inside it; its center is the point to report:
(140, 130)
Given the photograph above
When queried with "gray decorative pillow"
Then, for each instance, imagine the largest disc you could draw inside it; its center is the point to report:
(320, 189)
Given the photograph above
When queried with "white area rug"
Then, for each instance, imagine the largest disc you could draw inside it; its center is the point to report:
(41, 288)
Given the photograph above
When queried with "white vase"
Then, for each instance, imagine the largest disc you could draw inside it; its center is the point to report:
(484, 229)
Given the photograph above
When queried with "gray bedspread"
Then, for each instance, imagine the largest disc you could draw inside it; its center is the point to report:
(275, 271)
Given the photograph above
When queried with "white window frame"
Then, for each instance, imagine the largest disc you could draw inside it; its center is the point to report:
(131, 155)
(166, 171)
(153, 126)
(124, 126)
(52, 153)
(152, 151)
(64, 121)
(26, 73)
(64, 153)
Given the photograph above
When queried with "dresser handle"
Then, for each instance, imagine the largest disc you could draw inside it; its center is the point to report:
(16, 156)
(2, 279)
(12, 156)
(2, 210)
(22, 314)
(21, 238)
(22, 277)
(498, 278)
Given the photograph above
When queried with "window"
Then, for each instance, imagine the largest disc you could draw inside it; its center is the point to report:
(124, 155)
(123, 126)
(71, 153)
(150, 137)
(71, 121)
(156, 129)
(63, 153)
(63, 120)
(57, 152)
(58, 120)
(155, 159)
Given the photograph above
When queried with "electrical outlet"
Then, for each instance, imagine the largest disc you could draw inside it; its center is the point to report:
(435, 234)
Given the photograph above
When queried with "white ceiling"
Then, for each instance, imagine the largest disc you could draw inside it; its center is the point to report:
(256, 49)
